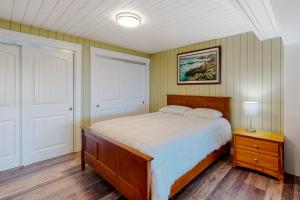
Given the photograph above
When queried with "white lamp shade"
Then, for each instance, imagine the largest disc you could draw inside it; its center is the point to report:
(251, 108)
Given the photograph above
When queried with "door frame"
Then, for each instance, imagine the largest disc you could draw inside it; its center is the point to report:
(23, 39)
(122, 57)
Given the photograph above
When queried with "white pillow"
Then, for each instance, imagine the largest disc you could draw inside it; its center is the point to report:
(203, 113)
(173, 109)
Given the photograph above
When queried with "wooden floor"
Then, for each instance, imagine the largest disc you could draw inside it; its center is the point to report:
(61, 178)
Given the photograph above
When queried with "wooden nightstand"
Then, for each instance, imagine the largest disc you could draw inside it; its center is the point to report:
(260, 150)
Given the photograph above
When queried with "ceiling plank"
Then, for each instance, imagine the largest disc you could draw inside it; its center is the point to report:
(68, 14)
(43, 13)
(89, 8)
(19, 10)
(31, 11)
(6, 9)
(56, 13)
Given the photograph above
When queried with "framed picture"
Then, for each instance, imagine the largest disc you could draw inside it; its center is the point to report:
(199, 67)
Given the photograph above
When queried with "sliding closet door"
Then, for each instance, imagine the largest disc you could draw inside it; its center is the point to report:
(118, 88)
(107, 93)
(10, 133)
(135, 88)
(47, 104)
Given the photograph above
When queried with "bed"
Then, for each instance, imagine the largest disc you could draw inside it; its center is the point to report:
(137, 163)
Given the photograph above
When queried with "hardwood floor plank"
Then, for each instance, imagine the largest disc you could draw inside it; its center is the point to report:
(212, 182)
(258, 181)
(297, 188)
(85, 185)
(221, 190)
(239, 183)
(198, 187)
(10, 175)
(274, 190)
(288, 188)
(62, 179)
(242, 189)
(32, 179)
(248, 192)
(251, 187)
(112, 196)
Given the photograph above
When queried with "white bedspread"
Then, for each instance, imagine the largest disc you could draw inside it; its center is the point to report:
(177, 143)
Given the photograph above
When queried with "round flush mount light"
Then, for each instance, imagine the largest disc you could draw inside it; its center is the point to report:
(127, 19)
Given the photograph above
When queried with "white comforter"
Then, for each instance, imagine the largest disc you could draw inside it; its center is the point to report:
(177, 143)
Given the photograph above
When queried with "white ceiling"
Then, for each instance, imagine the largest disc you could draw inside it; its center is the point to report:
(287, 14)
(166, 23)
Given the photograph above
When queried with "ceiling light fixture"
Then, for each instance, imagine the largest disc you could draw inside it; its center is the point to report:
(127, 19)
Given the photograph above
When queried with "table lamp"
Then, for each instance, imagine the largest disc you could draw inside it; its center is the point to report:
(251, 110)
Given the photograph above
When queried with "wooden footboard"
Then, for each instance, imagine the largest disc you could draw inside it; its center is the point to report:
(127, 169)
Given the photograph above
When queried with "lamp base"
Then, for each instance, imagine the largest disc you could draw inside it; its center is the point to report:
(251, 130)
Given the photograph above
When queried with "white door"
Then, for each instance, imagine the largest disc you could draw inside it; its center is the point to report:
(107, 79)
(135, 89)
(47, 104)
(10, 133)
(118, 88)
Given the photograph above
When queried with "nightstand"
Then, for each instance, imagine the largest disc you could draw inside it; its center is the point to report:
(260, 150)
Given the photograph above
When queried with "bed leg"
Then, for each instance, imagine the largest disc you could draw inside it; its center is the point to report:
(82, 165)
(82, 149)
(82, 160)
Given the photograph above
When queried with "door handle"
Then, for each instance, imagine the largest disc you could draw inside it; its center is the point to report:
(97, 106)
(70, 109)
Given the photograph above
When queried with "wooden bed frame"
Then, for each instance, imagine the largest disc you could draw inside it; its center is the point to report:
(128, 169)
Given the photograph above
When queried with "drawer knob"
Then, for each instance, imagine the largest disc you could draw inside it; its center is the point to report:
(256, 160)
(255, 146)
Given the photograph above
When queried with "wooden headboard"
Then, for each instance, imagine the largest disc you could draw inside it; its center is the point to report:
(221, 104)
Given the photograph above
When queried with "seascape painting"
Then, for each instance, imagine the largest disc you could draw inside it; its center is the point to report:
(199, 67)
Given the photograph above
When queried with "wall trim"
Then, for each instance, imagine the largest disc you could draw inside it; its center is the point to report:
(23, 39)
(113, 54)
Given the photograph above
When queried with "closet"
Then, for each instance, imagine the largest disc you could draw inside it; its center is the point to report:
(118, 88)
(36, 104)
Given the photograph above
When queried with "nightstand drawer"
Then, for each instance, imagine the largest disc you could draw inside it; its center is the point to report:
(257, 145)
(257, 159)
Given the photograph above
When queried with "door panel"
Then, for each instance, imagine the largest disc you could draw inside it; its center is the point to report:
(49, 78)
(136, 89)
(10, 132)
(49, 131)
(47, 104)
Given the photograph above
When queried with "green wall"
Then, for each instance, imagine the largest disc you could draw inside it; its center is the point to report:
(87, 43)
(251, 70)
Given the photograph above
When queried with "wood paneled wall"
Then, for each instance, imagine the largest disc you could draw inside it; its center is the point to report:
(87, 43)
(251, 70)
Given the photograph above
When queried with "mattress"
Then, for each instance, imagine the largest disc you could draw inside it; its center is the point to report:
(176, 142)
